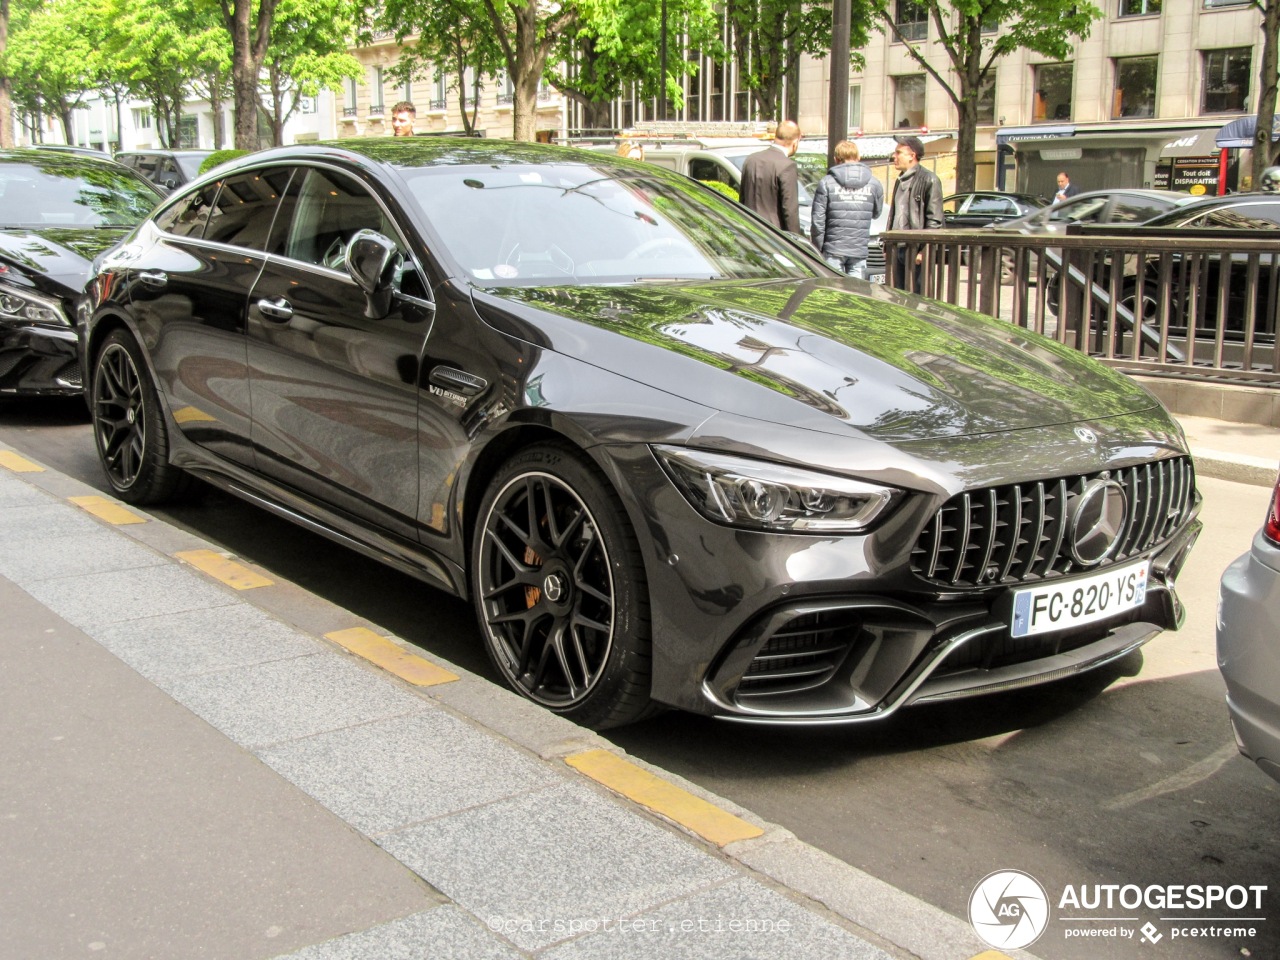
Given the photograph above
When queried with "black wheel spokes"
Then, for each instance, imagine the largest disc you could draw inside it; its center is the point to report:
(555, 648)
(118, 415)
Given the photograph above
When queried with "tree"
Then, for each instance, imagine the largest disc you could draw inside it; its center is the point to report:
(768, 38)
(526, 31)
(1045, 27)
(618, 43)
(307, 52)
(250, 37)
(1266, 153)
(48, 60)
(454, 39)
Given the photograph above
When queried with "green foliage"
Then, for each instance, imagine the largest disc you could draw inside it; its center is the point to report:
(719, 186)
(220, 156)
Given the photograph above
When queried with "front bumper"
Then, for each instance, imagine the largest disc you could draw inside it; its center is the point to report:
(1249, 652)
(39, 361)
(812, 630)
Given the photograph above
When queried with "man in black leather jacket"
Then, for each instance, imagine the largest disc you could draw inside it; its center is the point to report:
(917, 205)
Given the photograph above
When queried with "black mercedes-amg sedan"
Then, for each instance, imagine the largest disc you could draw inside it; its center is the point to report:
(58, 211)
(670, 457)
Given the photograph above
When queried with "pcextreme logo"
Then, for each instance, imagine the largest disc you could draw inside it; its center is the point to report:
(1009, 909)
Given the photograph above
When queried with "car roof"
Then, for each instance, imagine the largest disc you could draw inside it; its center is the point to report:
(57, 159)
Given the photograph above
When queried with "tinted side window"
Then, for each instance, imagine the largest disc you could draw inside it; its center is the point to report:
(1136, 211)
(331, 208)
(1250, 216)
(187, 217)
(245, 206)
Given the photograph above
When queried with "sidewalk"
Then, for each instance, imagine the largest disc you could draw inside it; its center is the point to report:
(203, 762)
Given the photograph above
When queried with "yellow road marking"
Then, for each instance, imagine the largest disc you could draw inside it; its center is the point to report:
(18, 464)
(107, 510)
(234, 575)
(391, 657)
(635, 783)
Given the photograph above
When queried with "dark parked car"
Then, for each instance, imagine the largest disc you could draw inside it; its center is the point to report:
(58, 210)
(167, 169)
(1249, 215)
(1249, 644)
(669, 455)
(985, 207)
(1097, 206)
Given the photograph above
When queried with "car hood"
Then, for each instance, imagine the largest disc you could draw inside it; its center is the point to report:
(56, 259)
(827, 355)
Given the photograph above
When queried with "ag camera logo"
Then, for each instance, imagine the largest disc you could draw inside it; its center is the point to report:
(1009, 909)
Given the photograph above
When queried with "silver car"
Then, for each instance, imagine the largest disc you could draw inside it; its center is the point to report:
(1249, 644)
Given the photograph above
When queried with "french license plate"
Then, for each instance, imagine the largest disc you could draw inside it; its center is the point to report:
(876, 278)
(1071, 603)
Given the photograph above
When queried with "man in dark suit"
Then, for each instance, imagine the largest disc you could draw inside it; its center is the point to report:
(1065, 189)
(770, 185)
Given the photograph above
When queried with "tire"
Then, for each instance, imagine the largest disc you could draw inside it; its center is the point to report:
(559, 588)
(129, 429)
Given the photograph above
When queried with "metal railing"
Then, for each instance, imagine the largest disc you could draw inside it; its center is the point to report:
(1199, 305)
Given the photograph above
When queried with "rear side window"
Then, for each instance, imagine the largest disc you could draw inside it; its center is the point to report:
(187, 217)
(1126, 211)
(1245, 216)
(242, 214)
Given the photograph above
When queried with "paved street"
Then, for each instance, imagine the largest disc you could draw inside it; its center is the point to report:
(1126, 777)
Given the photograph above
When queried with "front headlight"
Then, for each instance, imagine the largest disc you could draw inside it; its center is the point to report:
(27, 306)
(768, 496)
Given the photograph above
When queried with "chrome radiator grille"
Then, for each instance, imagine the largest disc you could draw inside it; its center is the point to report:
(1014, 534)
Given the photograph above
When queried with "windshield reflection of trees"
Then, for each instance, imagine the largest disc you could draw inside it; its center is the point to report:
(71, 192)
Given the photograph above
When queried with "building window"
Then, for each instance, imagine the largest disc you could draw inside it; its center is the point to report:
(349, 108)
(407, 92)
(912, 19)
(1139, 8)
(375, 90)
(1226, 80)
(855, 107)
(440, 93)
(506, 90)
(987, 101)
(142, 119)
(1053, 92)
(908, 100)
(1214, 4)
(1135, 94)
(188, 133)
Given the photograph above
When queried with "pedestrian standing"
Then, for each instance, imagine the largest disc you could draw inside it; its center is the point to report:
(916, 205)
(1065, 189)
(770, 183)
(848, 198)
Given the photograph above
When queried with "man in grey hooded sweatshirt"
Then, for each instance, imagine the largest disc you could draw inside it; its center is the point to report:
(846, 201)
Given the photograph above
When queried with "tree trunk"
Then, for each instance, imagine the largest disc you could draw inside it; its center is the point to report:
(525, 74)
(248, 50)
(64, 113)
(1264, 152)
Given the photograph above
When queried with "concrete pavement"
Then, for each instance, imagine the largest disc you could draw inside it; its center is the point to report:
(202, 761)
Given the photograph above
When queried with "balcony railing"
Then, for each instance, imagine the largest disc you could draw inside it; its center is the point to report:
(506, 99)
(1202, 305)
(350, 111)
(377, 109)
(437, 104)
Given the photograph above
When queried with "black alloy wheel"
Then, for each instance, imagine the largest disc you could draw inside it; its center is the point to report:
(128, 428)
(560, 590)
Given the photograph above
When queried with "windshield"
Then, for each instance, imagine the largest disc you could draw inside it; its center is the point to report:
(190, 163)
(71, 193)
(547, 224)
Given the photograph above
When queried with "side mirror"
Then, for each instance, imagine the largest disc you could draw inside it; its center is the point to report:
(373, 261)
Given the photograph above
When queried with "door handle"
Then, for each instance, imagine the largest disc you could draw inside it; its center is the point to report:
(277, 309)
(156, 279)
(459, 381)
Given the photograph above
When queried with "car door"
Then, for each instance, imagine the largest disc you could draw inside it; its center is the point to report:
(188, 292)
(335, 393)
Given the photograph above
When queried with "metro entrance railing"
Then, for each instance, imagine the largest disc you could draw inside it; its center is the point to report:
(1199, 305)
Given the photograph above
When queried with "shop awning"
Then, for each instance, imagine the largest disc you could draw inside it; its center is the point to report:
(1194, 144)
(1238, 134)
